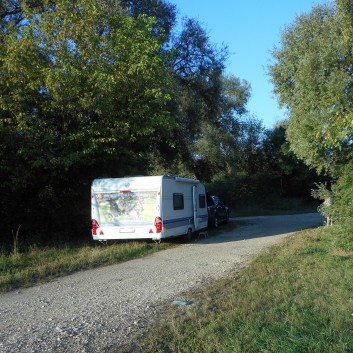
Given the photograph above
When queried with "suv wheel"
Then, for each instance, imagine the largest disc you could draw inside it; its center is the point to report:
(216, 222)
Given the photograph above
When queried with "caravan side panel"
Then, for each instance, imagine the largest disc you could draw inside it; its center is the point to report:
(178, 206)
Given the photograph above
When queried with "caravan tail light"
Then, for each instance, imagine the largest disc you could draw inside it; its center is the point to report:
(95, 226)
(158, 224)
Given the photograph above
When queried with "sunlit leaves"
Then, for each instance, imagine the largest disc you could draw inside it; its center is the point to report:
(313, 79)
(74, 67)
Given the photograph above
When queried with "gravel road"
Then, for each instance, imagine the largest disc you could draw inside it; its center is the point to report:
(91, 310)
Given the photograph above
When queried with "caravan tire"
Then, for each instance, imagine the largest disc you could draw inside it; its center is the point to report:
(188, 235)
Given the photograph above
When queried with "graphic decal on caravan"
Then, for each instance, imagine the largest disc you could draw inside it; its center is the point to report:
(126, 207)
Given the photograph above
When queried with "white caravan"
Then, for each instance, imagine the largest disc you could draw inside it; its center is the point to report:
(151, 207)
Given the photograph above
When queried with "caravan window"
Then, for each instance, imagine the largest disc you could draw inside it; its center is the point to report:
(178, 201)
(202, 201)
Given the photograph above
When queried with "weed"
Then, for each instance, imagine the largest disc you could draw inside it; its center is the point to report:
(15, 249)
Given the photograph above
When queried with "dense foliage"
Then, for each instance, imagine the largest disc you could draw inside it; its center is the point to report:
(265, 171)
(312, 75)
(111, 88)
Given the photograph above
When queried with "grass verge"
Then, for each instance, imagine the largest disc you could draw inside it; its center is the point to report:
(35, 265)
(24, 266)
(297, 297)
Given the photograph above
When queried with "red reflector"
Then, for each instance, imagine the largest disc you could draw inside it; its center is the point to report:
(95, 226)
(158, 224)
(151, 231)
(101, 233)
(125, 191)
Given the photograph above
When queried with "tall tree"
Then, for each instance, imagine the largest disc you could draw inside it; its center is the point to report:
(222, 142)
(196, 68)
(312, 76)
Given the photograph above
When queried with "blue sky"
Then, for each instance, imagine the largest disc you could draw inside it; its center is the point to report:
(250, 29)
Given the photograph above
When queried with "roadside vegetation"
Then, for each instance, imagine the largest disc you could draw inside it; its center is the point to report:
(22, 267)
(25, 264)
(296, 297)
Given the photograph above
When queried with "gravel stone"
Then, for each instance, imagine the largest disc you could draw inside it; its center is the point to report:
(92, 310)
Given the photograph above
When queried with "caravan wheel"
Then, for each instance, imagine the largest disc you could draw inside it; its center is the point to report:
(189, 235)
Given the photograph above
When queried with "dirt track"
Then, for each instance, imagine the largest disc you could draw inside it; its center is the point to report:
(91, 310)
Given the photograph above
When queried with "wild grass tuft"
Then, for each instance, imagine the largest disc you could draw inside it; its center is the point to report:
(15, 248)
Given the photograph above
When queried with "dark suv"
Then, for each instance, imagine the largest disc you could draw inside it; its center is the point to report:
(217, 212)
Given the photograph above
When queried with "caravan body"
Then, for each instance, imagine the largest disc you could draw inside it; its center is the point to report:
(152, 207)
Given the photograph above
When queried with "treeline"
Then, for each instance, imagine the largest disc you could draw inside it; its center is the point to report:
(109, 88)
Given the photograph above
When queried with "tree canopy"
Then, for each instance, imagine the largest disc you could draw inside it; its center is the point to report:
(312, 75)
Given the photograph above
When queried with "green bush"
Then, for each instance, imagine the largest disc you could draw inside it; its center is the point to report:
(343, 205)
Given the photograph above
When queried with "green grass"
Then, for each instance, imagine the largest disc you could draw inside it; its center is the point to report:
(35, 265)
(295, 298)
